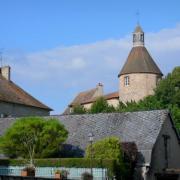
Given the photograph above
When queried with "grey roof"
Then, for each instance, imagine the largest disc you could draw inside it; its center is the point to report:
(140, 61)
(139, 127)
(142, 128)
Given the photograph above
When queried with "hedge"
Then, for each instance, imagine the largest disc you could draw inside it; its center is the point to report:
(110, 164)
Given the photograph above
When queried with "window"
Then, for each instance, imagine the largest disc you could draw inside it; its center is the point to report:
(142, 37)
(126, 80)
(134, 37)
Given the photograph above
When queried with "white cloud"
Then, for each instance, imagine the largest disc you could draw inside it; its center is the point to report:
(63, 71)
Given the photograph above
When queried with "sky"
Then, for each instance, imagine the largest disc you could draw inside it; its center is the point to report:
(58, 48)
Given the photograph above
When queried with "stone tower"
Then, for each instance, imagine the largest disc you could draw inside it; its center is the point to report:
(140, 74)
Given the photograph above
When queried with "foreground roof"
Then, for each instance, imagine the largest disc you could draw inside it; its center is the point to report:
(140, 61)
(141, 128)
(11, 93)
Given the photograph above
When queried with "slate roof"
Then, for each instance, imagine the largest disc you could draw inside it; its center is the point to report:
(11, 93)
(141, 128)
(113, 95)
(140, 61)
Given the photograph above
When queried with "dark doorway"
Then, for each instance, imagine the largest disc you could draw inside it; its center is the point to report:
(167, 177)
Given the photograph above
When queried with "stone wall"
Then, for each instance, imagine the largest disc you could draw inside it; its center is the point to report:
(140, 86)
(159, 162)
(14, 110)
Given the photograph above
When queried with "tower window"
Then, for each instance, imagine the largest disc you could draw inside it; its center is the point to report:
(134, 37)
(126, 80)
(142, 37)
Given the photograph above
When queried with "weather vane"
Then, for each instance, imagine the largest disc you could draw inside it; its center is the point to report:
(137, 16)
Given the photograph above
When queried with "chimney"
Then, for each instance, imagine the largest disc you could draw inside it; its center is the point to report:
(99, 91)
(6, 72)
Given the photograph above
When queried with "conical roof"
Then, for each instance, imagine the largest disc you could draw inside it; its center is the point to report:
(140, 61)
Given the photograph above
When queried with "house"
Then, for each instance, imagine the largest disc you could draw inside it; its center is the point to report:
(86, 98)
(14, 101)
(153, 133)
(137, 78)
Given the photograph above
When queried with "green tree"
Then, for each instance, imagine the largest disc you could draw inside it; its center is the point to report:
(109, 148)
(168, 90)
(99, 106)
(78, 109)
(33, 137)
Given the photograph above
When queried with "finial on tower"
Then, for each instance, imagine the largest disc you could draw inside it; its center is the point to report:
(137, 16)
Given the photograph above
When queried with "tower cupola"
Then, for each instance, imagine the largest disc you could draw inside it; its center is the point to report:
(138, 36)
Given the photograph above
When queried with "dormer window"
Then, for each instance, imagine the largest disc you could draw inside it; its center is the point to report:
(126, 81)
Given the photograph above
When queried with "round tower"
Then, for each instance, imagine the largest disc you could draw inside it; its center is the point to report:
(140, 74)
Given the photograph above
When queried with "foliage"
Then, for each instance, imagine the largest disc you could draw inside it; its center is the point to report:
(106, 148)
(78, 109)
(33, 137)
(100, 106)
(109, 147)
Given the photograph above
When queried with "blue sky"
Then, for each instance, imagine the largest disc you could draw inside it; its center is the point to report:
(57, 48)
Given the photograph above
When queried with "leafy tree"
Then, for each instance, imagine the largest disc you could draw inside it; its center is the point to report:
(108, 148)
(78, 109)
(99, 106)
(168, 90)
(33, 137)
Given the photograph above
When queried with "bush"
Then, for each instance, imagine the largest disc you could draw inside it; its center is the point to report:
(109, 147)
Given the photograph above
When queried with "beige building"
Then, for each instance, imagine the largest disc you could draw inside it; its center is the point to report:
(86, 98)
(137, 79)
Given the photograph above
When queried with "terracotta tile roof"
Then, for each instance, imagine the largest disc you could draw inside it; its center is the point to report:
(87, 97)
(10, 92)
(114, 95)
(140, 61)
(83, 97)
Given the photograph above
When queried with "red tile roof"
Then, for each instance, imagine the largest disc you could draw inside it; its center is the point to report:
(86, 97)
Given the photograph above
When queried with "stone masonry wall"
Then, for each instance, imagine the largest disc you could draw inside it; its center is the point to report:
(140, 86)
